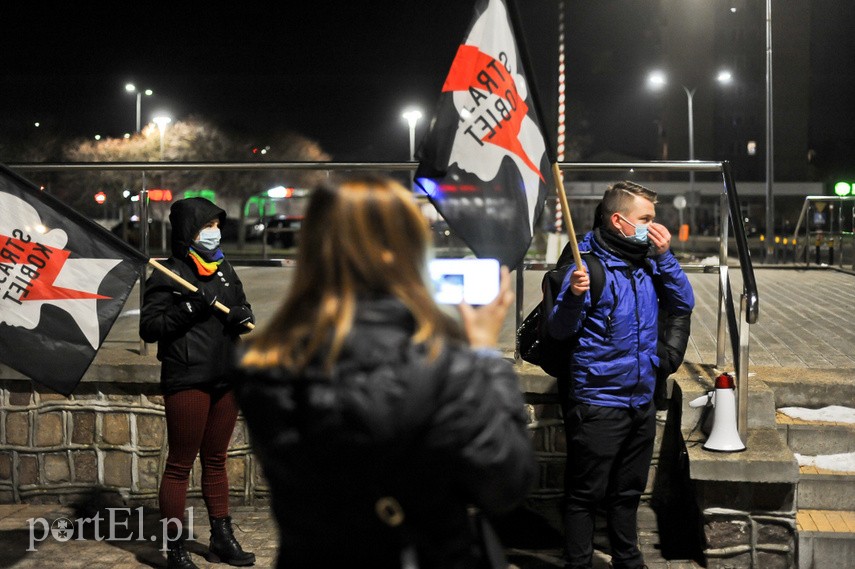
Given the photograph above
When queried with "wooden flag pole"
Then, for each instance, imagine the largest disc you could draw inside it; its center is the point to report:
(191, 287)
(568, 219)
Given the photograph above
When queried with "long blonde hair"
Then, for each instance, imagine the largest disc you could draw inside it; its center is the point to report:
(365, 238)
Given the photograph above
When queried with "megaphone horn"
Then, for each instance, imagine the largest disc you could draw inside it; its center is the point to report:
(724, 436)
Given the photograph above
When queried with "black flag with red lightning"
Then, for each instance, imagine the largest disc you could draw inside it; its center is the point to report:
(63, 282)
(484, 162)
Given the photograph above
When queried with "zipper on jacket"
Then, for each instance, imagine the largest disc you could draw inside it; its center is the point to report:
(609, 319)
(637, 337)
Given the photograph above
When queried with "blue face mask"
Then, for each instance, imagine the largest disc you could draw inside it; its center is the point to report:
(209, 238)
(640, 235)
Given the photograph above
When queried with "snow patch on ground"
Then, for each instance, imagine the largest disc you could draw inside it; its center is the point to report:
(838, 462)
(833, 414)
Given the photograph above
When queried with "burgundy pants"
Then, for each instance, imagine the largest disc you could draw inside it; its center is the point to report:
(197, 423)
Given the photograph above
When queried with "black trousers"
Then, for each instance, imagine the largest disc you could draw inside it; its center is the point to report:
(608, 458)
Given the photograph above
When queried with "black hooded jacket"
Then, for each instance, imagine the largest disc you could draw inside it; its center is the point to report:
(194, 347)
(436, 435)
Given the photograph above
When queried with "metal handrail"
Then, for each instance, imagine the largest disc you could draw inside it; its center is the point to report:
(652, 166)
(749, 284)
(839, 234)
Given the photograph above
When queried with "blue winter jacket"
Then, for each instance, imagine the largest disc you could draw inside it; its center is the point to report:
(615, 361)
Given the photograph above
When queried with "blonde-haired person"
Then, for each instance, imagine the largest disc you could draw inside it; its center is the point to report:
(362, 388)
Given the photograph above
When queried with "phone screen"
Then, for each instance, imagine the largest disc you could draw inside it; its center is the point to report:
(473, 281)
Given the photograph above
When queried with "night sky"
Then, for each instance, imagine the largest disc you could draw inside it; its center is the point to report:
(337, 72)
(340, 73)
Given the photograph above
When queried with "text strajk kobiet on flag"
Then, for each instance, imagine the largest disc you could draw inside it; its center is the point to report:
(483, 162)
(63, 282)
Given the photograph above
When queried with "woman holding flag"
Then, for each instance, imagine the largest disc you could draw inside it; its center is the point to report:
(194, 343)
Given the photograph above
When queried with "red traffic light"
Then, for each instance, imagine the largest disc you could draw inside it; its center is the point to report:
(100, 198)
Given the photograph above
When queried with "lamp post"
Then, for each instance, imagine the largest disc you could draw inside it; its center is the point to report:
(770, 155)
(161, 121)
(131, 88)
(143, 221)
(657, 80)
(412, 116)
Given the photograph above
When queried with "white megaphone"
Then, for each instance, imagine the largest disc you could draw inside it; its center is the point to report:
(724, 436)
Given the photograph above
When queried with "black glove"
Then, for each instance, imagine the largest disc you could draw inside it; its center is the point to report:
(198, 303)
(240, 316)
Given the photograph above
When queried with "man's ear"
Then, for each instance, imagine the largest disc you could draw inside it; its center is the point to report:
(615, 221)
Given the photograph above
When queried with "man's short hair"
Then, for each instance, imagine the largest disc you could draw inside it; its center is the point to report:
(620, 195)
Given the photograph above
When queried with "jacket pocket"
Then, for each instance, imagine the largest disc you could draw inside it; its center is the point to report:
(612, 374)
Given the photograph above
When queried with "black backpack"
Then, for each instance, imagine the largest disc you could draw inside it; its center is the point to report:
(535, 344)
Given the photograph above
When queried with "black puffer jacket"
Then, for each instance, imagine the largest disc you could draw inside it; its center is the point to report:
(674, 332)
(437, 436)
(193, 348)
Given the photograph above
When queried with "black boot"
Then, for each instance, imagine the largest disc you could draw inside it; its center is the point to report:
(177, 556)
(224, 547)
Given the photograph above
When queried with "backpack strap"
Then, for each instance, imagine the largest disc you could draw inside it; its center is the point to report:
(597, 276)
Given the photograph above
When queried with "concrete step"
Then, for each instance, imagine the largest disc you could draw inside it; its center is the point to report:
(825, 489)
(820, 488)
(826, 539)
(816, 437)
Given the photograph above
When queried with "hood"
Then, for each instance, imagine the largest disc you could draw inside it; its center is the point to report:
(187, 218)
(598, 216)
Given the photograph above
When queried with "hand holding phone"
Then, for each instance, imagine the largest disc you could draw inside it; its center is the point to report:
(469, 281)
(483, 324)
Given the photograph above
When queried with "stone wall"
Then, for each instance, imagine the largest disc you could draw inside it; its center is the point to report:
(106, 438)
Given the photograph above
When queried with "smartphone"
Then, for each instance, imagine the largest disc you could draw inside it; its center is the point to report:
(473, 281)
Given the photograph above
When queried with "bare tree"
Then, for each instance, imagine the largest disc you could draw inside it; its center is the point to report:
(190, 140)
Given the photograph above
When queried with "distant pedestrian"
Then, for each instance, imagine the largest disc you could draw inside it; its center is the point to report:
(194, 341)
(378, 420)
(608, 387)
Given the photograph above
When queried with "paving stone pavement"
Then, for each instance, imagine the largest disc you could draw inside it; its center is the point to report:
(804, 321)
(30, 539)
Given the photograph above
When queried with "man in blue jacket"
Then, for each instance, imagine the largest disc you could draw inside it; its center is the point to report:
(607, 391)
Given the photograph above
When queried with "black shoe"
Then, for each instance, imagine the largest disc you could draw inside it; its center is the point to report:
(177, 556)
(224, 548)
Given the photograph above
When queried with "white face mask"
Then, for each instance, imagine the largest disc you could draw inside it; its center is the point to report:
(209, 238)
(640, 235)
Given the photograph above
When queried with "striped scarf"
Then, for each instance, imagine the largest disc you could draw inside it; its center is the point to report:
(206, 261)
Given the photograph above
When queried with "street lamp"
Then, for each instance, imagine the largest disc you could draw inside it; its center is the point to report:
(657, 80)
(131, 88)
(412, 116)
(161, 121)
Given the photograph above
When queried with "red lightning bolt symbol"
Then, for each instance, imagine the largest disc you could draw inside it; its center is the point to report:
(468, 64)
(41, 286)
